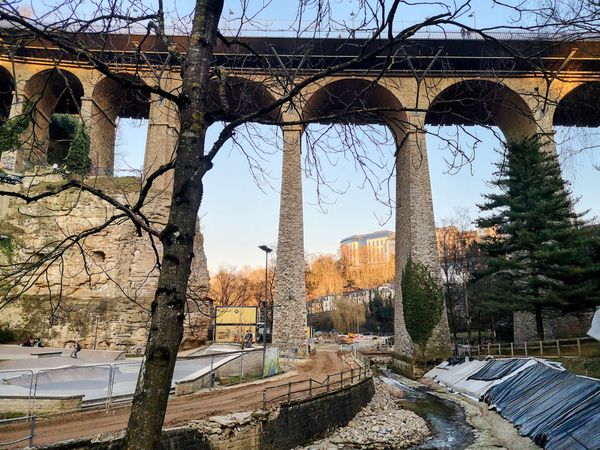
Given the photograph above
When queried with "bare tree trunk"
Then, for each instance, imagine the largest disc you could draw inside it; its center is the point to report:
(539, 323)
(479, 328)
(166, 330)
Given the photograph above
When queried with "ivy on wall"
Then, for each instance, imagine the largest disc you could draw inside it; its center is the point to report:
(13, 128)
(70, 144)
(422, 301)
(78, 159)
(7, 247)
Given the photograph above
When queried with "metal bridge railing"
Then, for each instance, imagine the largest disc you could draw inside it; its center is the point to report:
(285, 393)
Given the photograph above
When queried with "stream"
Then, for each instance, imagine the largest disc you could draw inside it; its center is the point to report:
(445, 418)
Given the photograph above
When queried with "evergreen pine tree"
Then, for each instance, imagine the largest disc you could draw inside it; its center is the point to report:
(541, 256)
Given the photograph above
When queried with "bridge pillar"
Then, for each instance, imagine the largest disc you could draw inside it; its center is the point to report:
(161, 140)
(102, 129)
(415, 232)
(289, 311)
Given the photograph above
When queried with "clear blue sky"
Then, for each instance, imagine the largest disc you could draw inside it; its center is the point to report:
(237, 215)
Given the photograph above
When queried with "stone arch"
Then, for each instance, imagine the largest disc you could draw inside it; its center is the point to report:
(53, 91)
(579, 107)
(7, 87)
(357, 101)
(238, 96)
(482, 102)
(112, 100)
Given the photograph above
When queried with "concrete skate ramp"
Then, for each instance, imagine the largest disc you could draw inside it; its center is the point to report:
(94, 382)
(17, 352)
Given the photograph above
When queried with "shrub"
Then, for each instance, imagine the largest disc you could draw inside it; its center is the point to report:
(70, 144)
(7, 335)
(78, 159)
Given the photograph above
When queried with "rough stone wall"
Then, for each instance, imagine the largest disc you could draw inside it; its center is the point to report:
(103, 289)
(309, 420)
(183, 438)
(415, 235)
(41, 405)
(557, 325)
(289, 312)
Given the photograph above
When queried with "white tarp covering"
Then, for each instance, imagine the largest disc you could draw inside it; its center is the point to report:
(457, 377)
(595, 328)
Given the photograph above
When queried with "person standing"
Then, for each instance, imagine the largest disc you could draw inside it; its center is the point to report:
(76, 350)
(247, 340)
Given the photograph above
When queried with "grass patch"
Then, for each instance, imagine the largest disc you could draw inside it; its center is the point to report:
(590, 367)
(236, 379)
(12, 415)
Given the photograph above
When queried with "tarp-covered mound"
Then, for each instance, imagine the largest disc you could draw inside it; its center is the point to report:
(498, 368)
(555, 408)
(550, 406)
(474, 378)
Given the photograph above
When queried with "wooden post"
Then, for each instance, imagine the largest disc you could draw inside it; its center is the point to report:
(264, 399)
(478, 350)
(351, 375)
(526, 354)
(578, 347)
(512, 349)
(310, 387)
(489, 351)
(541, 348)
(289, 392)
(341, 380)
(499, 349)
(327, 383)
(558, 347)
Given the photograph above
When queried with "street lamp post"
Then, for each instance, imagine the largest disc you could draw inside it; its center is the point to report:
(267, 250)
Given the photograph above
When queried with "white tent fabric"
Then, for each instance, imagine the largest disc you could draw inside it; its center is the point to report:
(595, 328)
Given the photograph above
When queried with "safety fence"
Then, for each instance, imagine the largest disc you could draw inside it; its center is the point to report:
(308, 388)
(583, 347)
(25, 393)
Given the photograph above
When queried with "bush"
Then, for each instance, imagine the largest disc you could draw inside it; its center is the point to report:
(78, 159)
(7, 335)
(422, 301)
(70, 144)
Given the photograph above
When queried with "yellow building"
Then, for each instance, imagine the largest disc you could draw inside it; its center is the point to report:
(368, 249)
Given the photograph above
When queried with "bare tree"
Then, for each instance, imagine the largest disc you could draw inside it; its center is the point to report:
(187, 73)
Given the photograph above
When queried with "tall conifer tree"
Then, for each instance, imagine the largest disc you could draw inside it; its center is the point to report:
(540, 257)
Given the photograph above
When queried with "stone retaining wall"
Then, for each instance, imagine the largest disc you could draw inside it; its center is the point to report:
(41, 404)
(285, 428)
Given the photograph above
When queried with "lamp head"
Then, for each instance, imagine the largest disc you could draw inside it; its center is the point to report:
(265, 249)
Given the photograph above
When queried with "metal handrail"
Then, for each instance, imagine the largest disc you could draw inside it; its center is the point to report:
(26, 438)
(327, 385)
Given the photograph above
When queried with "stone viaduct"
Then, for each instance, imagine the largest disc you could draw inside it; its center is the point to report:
(523, 85)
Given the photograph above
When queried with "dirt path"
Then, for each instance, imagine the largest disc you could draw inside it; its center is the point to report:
(180, 409)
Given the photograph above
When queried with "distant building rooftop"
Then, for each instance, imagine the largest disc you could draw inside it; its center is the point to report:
(364, 237)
